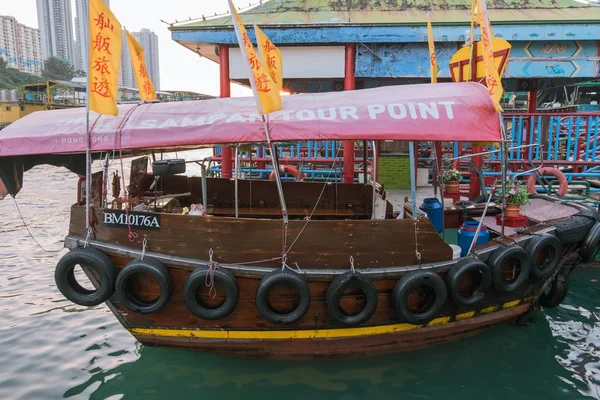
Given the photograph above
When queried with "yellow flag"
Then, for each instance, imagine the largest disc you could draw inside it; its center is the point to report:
(270, 56)
(105, 44)
(432, 58)
(492, 78)
(145, 85)
(267, 94)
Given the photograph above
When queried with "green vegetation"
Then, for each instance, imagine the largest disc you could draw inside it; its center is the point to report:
(59, 69)
(11, 78)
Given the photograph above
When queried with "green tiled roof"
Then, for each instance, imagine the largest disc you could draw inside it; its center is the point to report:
(402, 12)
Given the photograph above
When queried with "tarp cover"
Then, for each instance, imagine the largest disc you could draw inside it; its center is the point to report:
(434, 112)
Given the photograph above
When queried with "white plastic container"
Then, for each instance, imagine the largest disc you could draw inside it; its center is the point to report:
(422, 176)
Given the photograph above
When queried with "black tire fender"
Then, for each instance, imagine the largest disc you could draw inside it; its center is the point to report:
(336, 290)
(502, 255)
(411, 281)
(591, 244)
(225, 279)
(559, 287)
(535, 248)
(151, 267)
(275, 278)
(463, 266)
(94, 259)
(574, 229)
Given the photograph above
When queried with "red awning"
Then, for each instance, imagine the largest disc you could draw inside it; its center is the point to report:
(434, 112)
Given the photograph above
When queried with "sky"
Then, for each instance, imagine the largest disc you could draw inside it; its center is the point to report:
(180, 68)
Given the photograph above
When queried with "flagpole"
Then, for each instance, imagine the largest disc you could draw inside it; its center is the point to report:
(260, 111)
(88, 152)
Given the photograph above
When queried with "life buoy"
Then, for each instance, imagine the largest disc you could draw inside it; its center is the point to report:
(283, 169)
(559, 287)
(336, 290)
(498, 260)
(278, 277)
(147, 266)
(93, 259)
(591, 244)
(414, 280)
(480, 286)
(562, 180)
(544, 255)
(225, 279)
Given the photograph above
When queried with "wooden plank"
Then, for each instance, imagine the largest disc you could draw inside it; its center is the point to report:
(322, 244)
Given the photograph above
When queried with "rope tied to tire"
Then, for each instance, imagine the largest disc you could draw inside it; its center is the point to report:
(209, 281)
(87, 237)
(417, 253)
(352, 263)
(284, 265)
(144, 245)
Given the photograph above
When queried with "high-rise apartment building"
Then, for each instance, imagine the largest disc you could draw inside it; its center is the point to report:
(55, 22)
(20, 46)
(149, 41)
(126, 77)
(29, 48)
(82, 33)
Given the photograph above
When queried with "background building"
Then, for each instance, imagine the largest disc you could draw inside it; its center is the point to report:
(55, 22)
(8, 41)
(126, 78)
(29, 48)
(149, 41)
(81, 33)
(20, 46)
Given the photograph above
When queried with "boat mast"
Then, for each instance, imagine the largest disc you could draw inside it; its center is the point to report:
(504, 163)
(413, 184)
(88, 156)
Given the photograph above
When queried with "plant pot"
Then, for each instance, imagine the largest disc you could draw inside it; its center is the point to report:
(512, 210)
(451, 187)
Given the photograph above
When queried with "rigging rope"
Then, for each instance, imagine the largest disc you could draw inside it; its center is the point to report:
(309, 218)
(28, 231)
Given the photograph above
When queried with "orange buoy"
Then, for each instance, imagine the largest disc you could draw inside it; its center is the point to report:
(562, 180)
(283, 169)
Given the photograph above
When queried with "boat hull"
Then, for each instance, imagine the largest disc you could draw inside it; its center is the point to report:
(378, 340)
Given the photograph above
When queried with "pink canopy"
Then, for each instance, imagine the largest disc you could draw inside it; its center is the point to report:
(433, 112)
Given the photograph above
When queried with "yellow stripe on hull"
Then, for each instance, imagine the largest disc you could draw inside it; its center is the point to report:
(312, 333)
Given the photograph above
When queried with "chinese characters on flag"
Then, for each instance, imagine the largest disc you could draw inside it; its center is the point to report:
(432, 58)
(271, 57)
(145, 86)
(266, 91)
(105, 58)
(492, 78)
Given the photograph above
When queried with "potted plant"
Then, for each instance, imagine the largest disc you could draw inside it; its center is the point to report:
(517, 196)
(451, 178)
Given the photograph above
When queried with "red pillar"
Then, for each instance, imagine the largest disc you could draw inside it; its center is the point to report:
(349, 84)
(226, 156)
(532, 99)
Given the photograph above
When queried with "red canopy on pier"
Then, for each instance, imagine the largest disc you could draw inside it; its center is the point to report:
(434, 112)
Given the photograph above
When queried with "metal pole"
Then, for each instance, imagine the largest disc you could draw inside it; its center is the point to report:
(374, 180)
(237, 173)
(204, 194)
(365, 155)
(413, 184)
(88, 158)
(504, 172)
(105, 182)
(272, 150)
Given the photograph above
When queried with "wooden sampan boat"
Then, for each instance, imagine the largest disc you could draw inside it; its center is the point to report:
(340, 275)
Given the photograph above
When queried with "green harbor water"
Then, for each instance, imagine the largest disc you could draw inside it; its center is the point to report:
(53, 349)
